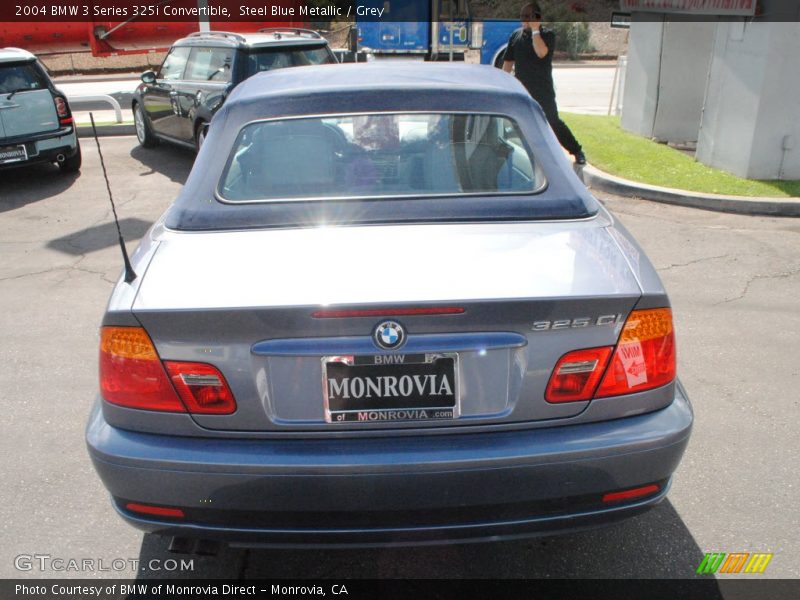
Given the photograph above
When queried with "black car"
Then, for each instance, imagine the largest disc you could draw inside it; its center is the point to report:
(176, 103)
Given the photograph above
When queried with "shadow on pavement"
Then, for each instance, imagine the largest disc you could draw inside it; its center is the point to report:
(99, 237)
(19, 187)
(173, 161)
(656, 544)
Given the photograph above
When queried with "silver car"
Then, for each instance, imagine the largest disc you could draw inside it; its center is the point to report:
(384, 310)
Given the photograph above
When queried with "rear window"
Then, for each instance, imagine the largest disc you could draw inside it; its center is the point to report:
(20, 77)
(379, 155)
(280, 58)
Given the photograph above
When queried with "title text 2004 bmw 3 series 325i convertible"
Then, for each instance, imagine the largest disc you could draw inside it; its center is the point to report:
(384, 310)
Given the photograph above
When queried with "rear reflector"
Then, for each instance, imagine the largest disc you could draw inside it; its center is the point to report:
(645, 355)
(388, 312)
(131, 373)
(202, 388)
(632, 493)
(161, 511)
(577, 374)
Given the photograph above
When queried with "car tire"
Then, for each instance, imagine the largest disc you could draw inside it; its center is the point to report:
(144, 134)
(200, 132)
(73, 163)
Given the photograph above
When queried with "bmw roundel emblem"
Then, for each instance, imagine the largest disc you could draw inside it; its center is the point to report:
(389, 335)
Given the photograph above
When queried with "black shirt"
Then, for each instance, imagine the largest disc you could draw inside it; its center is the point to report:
(535, 73)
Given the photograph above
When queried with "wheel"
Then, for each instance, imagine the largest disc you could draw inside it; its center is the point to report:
(144, 134)
(200, 132)
(72, 164)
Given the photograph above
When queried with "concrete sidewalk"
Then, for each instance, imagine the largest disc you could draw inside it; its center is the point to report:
(747, 205)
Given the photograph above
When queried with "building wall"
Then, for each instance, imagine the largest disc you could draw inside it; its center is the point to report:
(686, 54)
(668, 59)
(751, 120)
(641, 78)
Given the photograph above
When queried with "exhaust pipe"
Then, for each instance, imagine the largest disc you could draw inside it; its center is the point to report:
(61, 158)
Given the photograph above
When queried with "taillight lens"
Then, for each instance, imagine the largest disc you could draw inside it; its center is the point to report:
(577, 374)
(645, 355)
(62, 108)
(643, 359)
(132, 375)
(202, 388)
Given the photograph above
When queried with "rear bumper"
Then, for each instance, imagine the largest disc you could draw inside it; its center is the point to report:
(43, 147)
(375, 491)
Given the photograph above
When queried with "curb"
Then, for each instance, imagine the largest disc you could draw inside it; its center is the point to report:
(85, 131)
(744, 205)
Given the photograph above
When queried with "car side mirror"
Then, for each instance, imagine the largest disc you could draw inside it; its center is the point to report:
(149, 77)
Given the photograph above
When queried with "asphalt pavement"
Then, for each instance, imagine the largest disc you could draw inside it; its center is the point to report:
(734, 281)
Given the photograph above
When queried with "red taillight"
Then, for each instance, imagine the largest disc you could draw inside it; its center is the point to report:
(388, 312)
(643, 359)
(160, 511)
(577, 374)
(132, 375)
(62, 108)
(202, 388)
(632, 493)
(645, 355)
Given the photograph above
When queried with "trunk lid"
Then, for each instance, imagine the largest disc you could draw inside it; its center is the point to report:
(244, 301)
(27, 112)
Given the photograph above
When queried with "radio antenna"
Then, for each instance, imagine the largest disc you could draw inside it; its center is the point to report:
(130, 275)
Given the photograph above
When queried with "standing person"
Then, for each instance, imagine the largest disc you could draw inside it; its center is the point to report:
(531, 48)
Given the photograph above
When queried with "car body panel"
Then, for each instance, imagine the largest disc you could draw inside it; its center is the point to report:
(435, 263)
(413, 490)
(28, 112)
(518, 268)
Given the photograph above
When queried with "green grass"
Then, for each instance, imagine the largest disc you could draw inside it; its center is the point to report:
(626, 155)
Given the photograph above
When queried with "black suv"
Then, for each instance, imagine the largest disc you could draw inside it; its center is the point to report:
(176, 103)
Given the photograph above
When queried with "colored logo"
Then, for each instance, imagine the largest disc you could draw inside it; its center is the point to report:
(389, 335)
(735, 562)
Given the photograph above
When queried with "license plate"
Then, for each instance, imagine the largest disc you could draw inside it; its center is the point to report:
(10, 154)
(390, 387)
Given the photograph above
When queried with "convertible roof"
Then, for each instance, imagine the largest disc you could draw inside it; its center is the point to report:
(382, 86)
(367, 79)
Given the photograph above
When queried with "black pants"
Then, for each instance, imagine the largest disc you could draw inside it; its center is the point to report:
(564, 135)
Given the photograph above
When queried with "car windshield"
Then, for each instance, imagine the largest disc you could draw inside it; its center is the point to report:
(20, 77)
(279, 58)
(379, 155)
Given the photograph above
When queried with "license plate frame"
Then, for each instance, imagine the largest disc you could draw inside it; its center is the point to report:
(385, 408)
(13, 159)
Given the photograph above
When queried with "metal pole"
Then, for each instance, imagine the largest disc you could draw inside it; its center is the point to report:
(205, 25)
(613, 87)
(450, 27)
